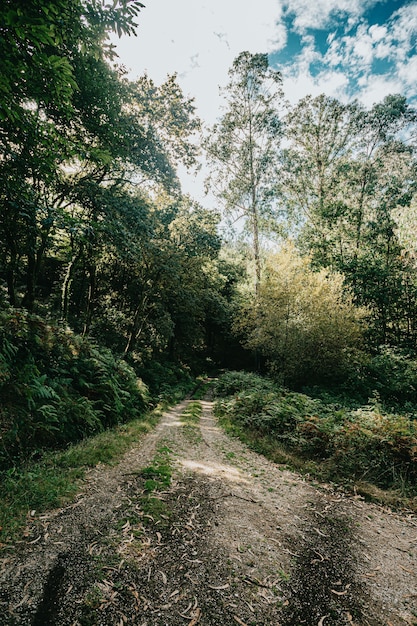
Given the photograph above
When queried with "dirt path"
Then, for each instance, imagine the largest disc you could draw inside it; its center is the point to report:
(233, 540)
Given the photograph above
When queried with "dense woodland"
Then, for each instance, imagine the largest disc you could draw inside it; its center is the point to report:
(115, 286)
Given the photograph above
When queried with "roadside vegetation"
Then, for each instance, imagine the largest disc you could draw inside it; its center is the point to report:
(365, 447)
(53, 480)
(68, 404)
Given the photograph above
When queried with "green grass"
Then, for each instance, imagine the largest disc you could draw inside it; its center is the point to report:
(190, 419)
(272, 450)
(192, 413)
(55, 479)
(360, 447)
(157, 478)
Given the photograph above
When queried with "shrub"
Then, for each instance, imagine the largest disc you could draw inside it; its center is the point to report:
(232, 382)
(378, 447)
(393, 375)
(57, 387)
(165, 379)
(304, 322)
(351, 444)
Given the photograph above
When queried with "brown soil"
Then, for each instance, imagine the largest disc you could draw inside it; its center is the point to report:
(235, 539)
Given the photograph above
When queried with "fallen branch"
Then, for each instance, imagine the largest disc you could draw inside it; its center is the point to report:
(234, 495)
(255, 581)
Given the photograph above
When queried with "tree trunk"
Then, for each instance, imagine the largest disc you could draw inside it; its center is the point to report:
(28, 301)
(66, 286)
(11, 277)
(137, 326)
(91, 299)
(256, 253)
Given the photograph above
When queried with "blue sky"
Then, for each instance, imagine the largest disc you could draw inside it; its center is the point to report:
(358, 49)
(348, 49)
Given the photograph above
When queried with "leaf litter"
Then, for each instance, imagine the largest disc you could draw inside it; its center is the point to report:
(240, 540)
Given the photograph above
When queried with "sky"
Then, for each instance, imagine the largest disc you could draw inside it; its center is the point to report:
(348, 49)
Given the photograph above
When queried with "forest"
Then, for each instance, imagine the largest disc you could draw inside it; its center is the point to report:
(118, 290)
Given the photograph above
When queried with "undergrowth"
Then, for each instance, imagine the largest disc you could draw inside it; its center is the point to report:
(57, 388)
(29, 490)
(353, 445)
(65, 404)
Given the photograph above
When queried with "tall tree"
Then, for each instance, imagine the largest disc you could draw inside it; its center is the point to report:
(345, 171)
(43, 44)
(321, 134)
(242, 147)
(72, 142)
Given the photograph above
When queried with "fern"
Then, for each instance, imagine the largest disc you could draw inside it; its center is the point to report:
(57, 387)
(8, 350)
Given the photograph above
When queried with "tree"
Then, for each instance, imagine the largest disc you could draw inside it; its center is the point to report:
(39, 42)
(44, 44)
(321, 134)
(345, 171)
(306, 324)
(67, 160)
(242, 147)
(170, 115)
(155, 276)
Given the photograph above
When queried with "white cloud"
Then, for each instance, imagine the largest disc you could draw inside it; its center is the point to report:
(357, 52)
(377, 32)
(361, 47)
(301, 83)
(404, 31)
(407, 73)
(375, 88)
(199, 40)
(321, 13)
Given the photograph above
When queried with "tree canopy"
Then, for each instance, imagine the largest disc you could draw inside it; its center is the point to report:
(242, 148)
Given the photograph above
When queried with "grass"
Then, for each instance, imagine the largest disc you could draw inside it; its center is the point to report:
(190, 419)
(55, 479)
(157, 478)
(272, 450)
(364, 448)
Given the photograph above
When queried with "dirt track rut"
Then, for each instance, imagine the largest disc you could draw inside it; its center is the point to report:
(234, 539)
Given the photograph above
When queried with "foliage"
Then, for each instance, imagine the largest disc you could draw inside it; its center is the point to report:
(348, 444)
(76, 138)
(233, 382)
(57, 387)
(391, 374)
(242, 148)
(304, 322)
(347, 176)
(166, 380)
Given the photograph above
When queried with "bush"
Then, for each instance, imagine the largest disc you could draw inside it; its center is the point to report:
(393, 376)
(57, 387)
(304, 322)
(166, 379)
(350, 444)
(232, 382)
(378, 447)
